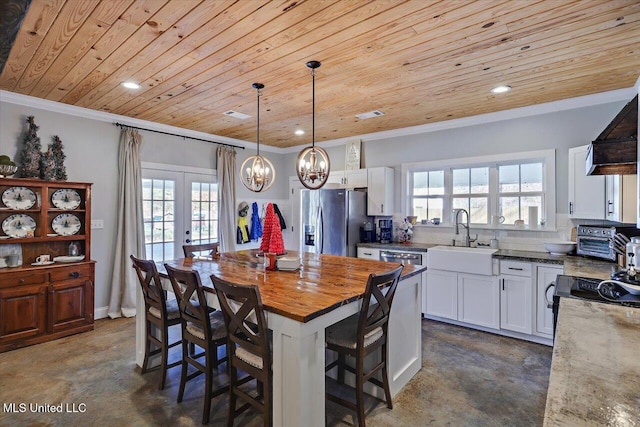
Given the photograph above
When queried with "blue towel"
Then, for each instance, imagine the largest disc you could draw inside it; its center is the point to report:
(256, 225)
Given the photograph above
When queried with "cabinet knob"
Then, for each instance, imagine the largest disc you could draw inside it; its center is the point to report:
(21, 281)
(74, 275)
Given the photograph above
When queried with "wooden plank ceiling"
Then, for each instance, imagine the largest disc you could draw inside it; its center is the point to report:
(418, 61)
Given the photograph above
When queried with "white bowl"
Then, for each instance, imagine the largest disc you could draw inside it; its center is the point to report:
(559, 248)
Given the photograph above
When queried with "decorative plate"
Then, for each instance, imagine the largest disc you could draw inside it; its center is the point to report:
(19, 198)
(66, 224)
(65, 198)
(18, 225)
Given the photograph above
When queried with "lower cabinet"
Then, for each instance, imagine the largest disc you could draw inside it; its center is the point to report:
(515, 297)
(369, 253)
(468, 298)
(41, 304)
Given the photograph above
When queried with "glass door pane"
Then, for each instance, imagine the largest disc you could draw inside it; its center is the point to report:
(161, 214)
(202, 204)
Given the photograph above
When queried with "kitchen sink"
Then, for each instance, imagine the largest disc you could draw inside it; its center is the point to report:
(461, 259)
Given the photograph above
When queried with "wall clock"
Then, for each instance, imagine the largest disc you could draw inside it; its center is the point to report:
(65, 198)
(66, 224)
(19, 198)
(18, 225)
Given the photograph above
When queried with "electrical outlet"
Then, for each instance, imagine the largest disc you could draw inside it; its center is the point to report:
(97, 224)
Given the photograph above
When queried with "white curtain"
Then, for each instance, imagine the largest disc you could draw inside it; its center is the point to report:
(226, 167)
(130, 228)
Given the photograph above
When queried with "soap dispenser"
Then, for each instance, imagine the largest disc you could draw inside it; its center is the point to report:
(493, 243)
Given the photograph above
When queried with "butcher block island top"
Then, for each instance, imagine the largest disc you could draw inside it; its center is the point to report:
(320, 285)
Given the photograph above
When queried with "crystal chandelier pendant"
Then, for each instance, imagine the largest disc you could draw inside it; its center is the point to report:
(313, 163)
(257, 172)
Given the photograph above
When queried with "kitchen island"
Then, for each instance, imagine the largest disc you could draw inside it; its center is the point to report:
(299, 306)
(595, 374)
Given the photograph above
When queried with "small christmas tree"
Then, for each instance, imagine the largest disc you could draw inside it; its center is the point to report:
(272, 233)
(31, 154)
(47, 165)
(58, 159)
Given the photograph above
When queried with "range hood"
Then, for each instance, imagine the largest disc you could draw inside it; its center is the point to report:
(615, 150)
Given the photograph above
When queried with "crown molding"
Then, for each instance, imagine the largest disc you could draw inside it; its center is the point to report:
(515, 113)
(72, 110)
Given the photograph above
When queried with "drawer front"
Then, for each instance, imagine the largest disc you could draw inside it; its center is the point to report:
(71, 272)
(515, 268)
(17, 279)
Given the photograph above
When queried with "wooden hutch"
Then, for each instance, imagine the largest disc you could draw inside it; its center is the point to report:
(53, 299)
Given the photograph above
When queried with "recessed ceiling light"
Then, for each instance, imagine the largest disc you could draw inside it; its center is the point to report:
(501, 89)
(299, 132)
(131, 85)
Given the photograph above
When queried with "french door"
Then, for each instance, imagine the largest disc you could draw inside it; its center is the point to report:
(178, 207)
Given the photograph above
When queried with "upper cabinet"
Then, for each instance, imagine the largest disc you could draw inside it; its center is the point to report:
(610, 197)
(380, 191)
(586, 193)
(348, 179)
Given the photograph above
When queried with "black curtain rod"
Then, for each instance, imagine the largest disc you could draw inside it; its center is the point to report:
(120, 125)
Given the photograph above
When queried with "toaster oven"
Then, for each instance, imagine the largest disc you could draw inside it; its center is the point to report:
(598, 241)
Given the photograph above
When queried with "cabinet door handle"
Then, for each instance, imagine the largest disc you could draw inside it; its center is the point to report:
(609, 207)
(74, 275)
(503, 284)
(382, 208)
(367, 253)
(570, 208)
(517, 269)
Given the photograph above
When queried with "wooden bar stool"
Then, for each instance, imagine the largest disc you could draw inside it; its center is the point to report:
(247, 347)
(360, 335)
(158, 312)
(202, 326)
(190, 250)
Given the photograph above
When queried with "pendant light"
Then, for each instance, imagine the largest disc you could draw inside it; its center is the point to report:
(312, 164)
(257, 172)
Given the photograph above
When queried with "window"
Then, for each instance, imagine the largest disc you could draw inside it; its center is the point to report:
(507, 185)
(428, 194)
(519, 187)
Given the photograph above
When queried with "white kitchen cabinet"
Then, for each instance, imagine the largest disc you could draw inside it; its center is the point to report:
(515, 296)
(369, 253)
(469, 298)
(586, 193)
(442, 294)
(621, 198)
(335, 180)
(358, 178)
(380, 191)
(479, 300)
(545, 276)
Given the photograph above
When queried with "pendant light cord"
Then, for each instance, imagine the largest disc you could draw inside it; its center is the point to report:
(258, 137)
(313, 108)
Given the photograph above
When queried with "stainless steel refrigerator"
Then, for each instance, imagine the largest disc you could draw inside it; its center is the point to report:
(331, 221)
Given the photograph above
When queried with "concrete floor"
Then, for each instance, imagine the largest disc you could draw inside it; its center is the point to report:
(468, 378)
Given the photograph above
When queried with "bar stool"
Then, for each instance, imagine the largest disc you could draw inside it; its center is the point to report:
(247, 347)
(158, 312)
(202, 326)
(360, 335)
(190, 250)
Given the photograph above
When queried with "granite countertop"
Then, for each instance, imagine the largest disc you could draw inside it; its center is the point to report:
(573, 265)
(595, 374)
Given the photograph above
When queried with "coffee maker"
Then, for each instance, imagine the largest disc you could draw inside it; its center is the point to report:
(386, 230)
(368, 232)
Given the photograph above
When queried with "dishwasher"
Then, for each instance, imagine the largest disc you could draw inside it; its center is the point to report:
(412, 258)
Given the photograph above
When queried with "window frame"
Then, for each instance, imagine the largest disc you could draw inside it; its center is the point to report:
(546, 157)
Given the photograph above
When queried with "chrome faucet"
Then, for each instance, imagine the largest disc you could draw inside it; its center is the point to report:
(467, 238)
